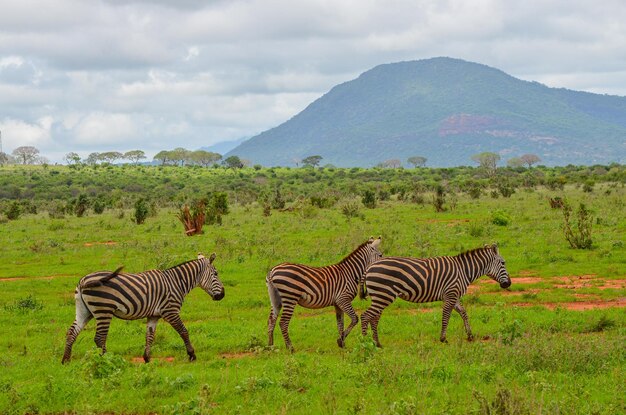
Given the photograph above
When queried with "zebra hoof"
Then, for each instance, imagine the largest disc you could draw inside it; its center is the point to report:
(146, 358)
(65, 360)
(192, 356)
(340, 342)
(470, 338)
(443, 340)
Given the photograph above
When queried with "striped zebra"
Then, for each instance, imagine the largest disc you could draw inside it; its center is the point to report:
(319, 287)
(150, 294)
(431, 279)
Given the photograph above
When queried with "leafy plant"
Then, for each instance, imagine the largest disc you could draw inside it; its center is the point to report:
(14, 211)
(193, 218)
(141, 211)
(578, 234)
(500, 218)
(369, 199)
(439, 199)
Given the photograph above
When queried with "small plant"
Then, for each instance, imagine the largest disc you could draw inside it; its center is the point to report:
(103, 366)
(25, 305)
(194, 218)
(602, 324)
(350, 209)
(80, 206)
(556, 203)
(369, 199)
(141, 212)
(588, 187)
(439, 199)
(579, 234)
(98, 206)
(500, 218)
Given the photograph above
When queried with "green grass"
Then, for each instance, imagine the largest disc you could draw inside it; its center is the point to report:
(525, 360)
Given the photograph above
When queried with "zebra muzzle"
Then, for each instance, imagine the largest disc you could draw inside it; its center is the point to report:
(219, 295)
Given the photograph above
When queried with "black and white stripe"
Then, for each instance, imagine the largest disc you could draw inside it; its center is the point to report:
(151, 295)
(319, 287)
(430, 279)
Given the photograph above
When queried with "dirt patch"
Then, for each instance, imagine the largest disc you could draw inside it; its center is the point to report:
(593, 283)
(100, 243)
(578, 305)
(48, 277)
(449, 222)
(239, 355)
(168, 359)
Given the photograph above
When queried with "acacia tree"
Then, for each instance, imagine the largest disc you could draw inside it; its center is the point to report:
(391, 164)
(312, 161)
(163, 156)
(530, 159)
(72, 158)
(26, 154)
(134, 156)
(4, 158)
(111, 156)
(180, 155)
(515, 162)
(233, 162)
(417, 161)
(487, 160)
(93, 158)
(205, 158)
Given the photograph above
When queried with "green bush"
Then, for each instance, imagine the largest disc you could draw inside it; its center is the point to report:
(578, 234)
(141, 212)
(500, 218)
(369, 199)
(14, 211)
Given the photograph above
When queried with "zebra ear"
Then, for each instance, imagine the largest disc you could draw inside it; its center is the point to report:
(376, 242)
(371, 239)
(212, 258)
(200, 256)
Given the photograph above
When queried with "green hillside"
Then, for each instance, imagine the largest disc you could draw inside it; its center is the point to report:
(446, 110)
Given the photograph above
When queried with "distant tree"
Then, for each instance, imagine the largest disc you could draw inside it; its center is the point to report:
(530, 159)
(417, 161)
(180, 156)
(111, 156)
(515, 162)
(312, 161)
(4, 158)
(26, 154)
(487, 160)
(72, 158)
(163, 156)
(245, 163)
(205, 158)
(233, 162)
(134, 156)
(391, 164)
(93, 158)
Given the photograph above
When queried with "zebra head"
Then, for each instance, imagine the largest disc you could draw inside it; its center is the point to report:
(209, 281)
(496, 267)
(373, 253)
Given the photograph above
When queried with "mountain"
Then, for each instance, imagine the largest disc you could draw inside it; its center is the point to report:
(446, 110)
(224, 146)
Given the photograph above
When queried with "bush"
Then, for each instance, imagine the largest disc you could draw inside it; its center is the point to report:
(141, 212)
(580, 236)
(80, 206)
(14, 211)
(350, 209)
(500, 218)
(369, 199)
(439, 199)
(98, 206)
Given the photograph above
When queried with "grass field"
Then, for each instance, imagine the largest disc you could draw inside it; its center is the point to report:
(554, 343)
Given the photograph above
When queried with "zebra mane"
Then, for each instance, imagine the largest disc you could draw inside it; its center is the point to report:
(481, 249)
(351, 254)
(181, 264)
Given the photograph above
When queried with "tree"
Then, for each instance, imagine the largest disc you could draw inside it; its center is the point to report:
(26, 154)
(93, 158)
(312, 161)
(4, 158)
(233, 162)
(391, 164)
(515, 162)
(163, 156)
(487, 160)
(530, 159)
(417, 161)
(72, 158)
(134, 156)
(180, 155)
(205, 158)
(110, 156)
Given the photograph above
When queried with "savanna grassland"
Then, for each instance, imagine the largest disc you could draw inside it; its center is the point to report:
(554, 343)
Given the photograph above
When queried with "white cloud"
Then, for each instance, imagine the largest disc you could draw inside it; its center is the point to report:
(16, 133)
(104, 129)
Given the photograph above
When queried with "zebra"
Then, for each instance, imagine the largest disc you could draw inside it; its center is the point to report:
(319, 287)
(429, 279)
(151, 294)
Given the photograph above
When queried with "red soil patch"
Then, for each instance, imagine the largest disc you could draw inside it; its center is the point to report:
(450, 222)
(99, 243)
(236, 355)
(169, 359)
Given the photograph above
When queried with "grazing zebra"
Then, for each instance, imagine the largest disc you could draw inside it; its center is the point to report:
(150, 294)
(431, 279)
(313, 287)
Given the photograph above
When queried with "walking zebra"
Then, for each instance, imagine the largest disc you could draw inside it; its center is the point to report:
(431, 279)
(150, 294)
(313, 287)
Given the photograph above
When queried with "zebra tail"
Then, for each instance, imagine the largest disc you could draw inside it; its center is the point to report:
(103, 280)
(362, 289)
(275, 299)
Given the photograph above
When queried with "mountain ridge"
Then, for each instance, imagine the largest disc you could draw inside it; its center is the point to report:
(446, 110)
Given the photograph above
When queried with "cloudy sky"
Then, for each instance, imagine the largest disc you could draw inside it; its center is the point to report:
(118, 75)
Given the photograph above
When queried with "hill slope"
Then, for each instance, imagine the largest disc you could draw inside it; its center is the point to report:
(446, 110)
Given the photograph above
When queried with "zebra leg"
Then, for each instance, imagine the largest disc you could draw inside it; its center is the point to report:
(461, 310)
(150, 331)
(103, 322)
(374, 324)
(177, 323)
(448, 305)
(346, 307)
(83, 315)
(271, 323)
(285, 317)
(339, 315)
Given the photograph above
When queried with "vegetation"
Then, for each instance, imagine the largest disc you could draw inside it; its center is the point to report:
(534, 353)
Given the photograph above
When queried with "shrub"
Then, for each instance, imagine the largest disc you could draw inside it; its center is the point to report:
(350, 209)
(322, 202)
(14, 211)
(98, 206)
(579, 234)
(439, 199)
(25, 305)
(369, 199)
(500, 218)
(194, 218)
(141, 212)
(588, 187)
(80, 205)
